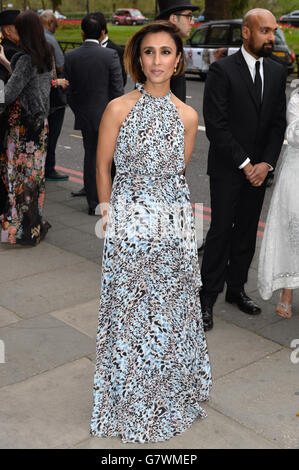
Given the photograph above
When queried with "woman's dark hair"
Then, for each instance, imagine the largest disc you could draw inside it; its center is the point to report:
(132, 50)
(93, 24)
(33, 41)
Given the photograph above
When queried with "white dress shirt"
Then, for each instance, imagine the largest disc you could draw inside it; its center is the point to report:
(104, 42)
(92, 40)
(251, 61)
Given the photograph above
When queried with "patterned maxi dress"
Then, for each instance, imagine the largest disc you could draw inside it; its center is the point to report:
(22, 170)
(152, 364)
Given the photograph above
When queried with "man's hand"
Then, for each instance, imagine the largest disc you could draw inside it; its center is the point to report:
(257, 173)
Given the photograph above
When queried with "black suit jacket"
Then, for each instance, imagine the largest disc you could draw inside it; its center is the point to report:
(95, 77)
(9, 50)
(120, 50)
(236, 125)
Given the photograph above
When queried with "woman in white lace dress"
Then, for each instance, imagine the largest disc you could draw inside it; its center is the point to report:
(279, 256)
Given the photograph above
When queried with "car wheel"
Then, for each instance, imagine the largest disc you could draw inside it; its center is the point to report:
(134, 23)
(116, 22)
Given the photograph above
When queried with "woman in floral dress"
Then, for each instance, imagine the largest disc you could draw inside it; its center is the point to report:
(152, 364)
(22, 164)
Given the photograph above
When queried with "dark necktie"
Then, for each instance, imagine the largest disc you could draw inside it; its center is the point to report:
(258, 82)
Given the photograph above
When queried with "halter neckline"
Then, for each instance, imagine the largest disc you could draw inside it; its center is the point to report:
(140, 87)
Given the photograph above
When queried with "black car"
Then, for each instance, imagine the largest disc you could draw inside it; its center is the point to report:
(290, 18)
(216, 39)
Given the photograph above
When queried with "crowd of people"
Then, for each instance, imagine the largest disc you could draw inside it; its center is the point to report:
(152, 365)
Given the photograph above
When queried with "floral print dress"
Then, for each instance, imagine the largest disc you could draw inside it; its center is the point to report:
(22, 169)
(152, 364)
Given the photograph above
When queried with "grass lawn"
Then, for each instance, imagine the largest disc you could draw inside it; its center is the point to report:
(118, 34)
(292, 38)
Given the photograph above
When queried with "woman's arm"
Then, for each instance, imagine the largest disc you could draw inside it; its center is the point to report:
(108, 133)
(190, 120)
(21, 75)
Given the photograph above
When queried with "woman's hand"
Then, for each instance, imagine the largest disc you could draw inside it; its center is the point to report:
(63, 82)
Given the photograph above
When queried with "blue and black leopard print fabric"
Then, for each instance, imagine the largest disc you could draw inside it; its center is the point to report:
(152, 363)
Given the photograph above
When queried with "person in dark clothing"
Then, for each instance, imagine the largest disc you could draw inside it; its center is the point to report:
(56, 115)
(106, 42)
(10, 39)
(245, 116)
(88, 96)
(178, 12)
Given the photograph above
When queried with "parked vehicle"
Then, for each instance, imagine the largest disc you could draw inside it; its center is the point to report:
(216, 39)
(290, 18)
(128, 16)
(201, 17)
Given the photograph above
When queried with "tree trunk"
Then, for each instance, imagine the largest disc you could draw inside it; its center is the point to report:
(55, 4)
(135, 4)
(26, 5)
(218, 10)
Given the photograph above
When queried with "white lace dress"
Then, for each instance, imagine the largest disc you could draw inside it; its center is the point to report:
(279, 256)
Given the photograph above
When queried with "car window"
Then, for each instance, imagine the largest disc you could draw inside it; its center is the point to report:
(295, 13)
(119, 13)
(199, 37)
(236, 36)
(279, 37)
(218, 34)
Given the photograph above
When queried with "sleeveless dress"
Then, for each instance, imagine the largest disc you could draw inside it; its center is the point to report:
(152, 365)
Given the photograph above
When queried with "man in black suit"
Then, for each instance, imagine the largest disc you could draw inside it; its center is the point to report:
(95, 78)
(244, 110)
(9, 43)
(179, 13)
(106, 42)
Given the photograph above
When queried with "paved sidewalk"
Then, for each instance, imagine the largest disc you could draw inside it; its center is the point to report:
(48, 320)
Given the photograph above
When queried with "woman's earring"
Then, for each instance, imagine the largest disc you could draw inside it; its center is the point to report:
(175, 69)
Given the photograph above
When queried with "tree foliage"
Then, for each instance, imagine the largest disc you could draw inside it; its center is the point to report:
(239, 7)
(215, 10)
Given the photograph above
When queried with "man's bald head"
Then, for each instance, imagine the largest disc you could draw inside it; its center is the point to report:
(258, 32)
(256, 14)
(49, 20)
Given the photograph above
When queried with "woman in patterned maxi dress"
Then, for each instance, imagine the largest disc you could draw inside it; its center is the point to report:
(22, 161)
(152, 365)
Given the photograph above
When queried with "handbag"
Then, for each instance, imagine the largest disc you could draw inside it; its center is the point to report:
(58, 96)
